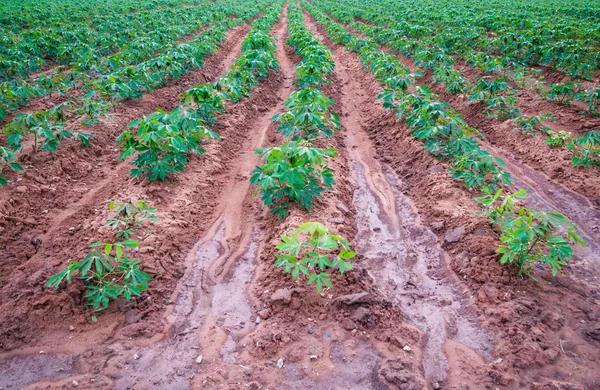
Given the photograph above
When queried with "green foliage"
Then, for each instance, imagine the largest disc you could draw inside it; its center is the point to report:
(107, 273)
(129, 217)
(557, 140)
(586, 150)
(307, 115)
(529, 237)
(563, 93)
(207, 100)
(91, 108)
(8, 159)
(529, 124)
(293, 172)
(499, 97)
(317, 62)
(591, 97)
(163, 140)
(312, 251)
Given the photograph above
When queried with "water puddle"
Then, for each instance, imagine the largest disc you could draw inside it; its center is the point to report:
(407, 260)
(20, 371)
(172, 362)
(355, 365)
(231, 307)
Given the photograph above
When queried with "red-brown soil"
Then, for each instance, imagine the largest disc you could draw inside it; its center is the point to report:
(427, 306)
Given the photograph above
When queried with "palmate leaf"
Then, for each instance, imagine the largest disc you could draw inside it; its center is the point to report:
(313, 243)
(320, 279)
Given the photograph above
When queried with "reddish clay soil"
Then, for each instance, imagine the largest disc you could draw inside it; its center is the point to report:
(427, 306)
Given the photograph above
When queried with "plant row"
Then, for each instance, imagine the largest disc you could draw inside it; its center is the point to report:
(499, 97)
(528, 37)
(162, 141)
(140, 48)
(296, 172)
(50, 127)
(17, 15)
(529, 237)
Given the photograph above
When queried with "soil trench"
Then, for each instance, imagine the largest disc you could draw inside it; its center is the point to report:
(403, 255)
(211, 312)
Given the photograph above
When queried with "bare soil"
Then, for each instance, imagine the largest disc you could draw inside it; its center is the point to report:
(427, 306)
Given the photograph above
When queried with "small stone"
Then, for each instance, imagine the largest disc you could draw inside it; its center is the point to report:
(314, 357)
(199, 359)
(357, 298)
(280, 363)
(338, 221)
(42, 352)
(136, 356)
(407, 348)
(455, 234)
(348, 324)
(361, 314)
(264, 314)
(438, 225)
(342, 207)
(71, 328)
(310, 331)
(436, 386)
(498, 361)
(436, 169)
(146, 249)
(257, 321)
(283, 295)
(75, 383)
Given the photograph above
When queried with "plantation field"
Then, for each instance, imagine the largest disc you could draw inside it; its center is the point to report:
(306, 194)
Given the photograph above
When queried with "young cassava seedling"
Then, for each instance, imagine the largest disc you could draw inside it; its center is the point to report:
(107, 274)
(129, 216)
(313, 251)
(529, 237)
(292, 172)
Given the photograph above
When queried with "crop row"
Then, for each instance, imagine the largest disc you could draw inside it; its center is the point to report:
(500, 98)
(16, 15)
(50, 127)
(529, 237)
(146, 37)
(161, 141)
(296, 171)
(527, 36)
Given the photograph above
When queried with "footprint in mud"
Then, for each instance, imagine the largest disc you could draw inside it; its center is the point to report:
(408, 260)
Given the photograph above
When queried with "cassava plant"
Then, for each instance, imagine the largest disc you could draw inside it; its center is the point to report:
(313, 252)
(293, 172)
(530, 237)
(308, 115)
(586, 150)
(558, 139)
(47, 127)
(107, 272)
(163, 141)
(529, 124)
(129, 217)
(8, 159)
(563, 93)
